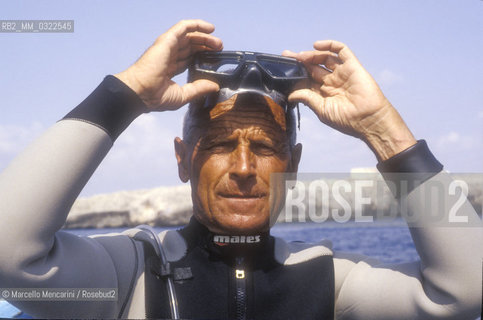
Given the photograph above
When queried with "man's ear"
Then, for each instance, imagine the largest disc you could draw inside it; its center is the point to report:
(182, 157)
(295, 158)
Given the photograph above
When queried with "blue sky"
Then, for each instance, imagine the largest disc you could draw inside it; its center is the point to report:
(426, 56)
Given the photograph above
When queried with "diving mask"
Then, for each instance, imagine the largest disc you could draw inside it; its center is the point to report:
(243, 71)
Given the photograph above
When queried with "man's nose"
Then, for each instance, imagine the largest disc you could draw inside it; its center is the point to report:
(243, 163)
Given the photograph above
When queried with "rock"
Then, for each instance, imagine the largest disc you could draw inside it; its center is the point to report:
(163, 206)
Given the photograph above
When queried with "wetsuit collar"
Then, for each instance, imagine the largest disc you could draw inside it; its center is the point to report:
(226, 246)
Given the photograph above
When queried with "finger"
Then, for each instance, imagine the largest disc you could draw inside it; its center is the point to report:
(187, 52)
(330, 61)
(290, 54)
(343, 52)
(327, 58)
(198, 42)
(197, 89)
(201, 48)
(317, 73)
(198, 38)
(185, 26)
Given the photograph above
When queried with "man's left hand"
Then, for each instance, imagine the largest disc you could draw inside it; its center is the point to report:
(344, 96)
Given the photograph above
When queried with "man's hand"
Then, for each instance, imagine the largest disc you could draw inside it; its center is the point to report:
(345, 96)
(150, 76)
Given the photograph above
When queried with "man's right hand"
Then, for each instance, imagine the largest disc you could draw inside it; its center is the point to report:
(150, 76)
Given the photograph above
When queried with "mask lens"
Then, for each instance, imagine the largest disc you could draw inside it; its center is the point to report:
(227, 68)
(222, 65)
(279, 68)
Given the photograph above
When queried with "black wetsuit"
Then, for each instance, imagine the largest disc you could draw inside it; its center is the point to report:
(240, 281)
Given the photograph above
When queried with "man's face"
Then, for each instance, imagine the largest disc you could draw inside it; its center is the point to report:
(231, 161)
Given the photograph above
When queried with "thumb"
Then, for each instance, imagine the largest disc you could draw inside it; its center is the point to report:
(198, 88)
(307, 97)
(311, 99)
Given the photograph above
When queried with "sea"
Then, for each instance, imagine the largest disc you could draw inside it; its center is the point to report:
(390, 242)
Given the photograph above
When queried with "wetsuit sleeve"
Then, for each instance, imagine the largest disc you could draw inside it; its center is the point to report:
(447, 281)
(37, 191)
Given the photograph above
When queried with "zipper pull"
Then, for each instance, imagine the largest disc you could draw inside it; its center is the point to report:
(239, 271)
(239, 274)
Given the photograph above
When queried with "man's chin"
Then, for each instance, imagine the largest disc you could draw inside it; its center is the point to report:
(240, 224)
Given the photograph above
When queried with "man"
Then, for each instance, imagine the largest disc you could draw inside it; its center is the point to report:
(225, 264)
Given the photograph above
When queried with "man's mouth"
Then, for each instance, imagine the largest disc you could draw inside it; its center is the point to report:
(242, 196)
(243, 204)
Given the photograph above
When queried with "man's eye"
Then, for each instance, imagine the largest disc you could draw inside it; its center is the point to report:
(224, 146)
(263, 149)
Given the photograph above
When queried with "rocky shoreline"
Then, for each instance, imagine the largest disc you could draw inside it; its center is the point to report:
(163, 206)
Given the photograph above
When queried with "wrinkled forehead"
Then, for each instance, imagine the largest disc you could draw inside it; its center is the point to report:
(244, 111)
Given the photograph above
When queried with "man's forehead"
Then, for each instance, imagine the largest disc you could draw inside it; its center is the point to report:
(231, 129)
(246, 110)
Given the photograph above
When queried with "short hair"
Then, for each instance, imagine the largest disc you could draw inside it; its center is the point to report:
(198, 113)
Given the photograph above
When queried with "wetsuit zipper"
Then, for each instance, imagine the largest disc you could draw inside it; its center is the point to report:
(241, 291)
